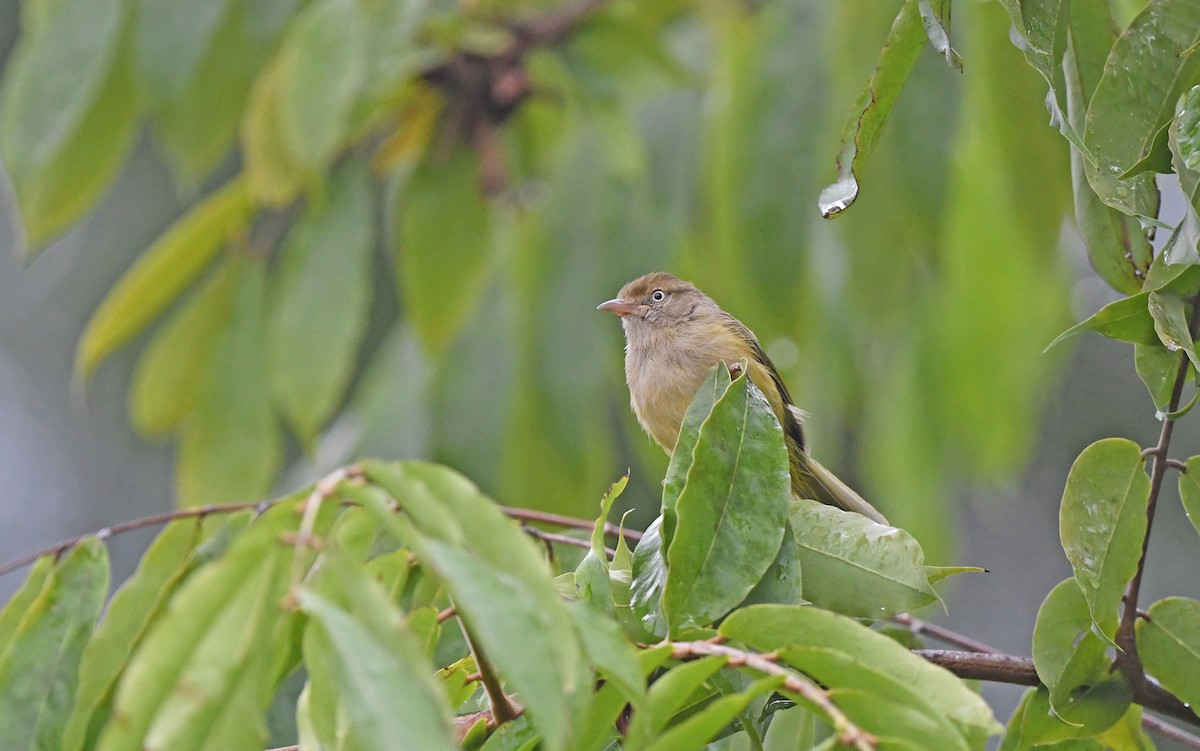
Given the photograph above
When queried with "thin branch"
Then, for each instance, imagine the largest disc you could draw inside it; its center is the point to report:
(503, 709)
(849, 733)
(1127, 656)
(569, 522)
(945, 635)
(554, 27)
(984, 666)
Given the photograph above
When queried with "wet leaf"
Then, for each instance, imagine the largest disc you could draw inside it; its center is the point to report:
(1171, 323)
(1169, 645)
(1066, 652)
(710, 391)
(1127, 320)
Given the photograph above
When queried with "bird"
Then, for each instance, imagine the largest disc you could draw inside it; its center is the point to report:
(674, 335)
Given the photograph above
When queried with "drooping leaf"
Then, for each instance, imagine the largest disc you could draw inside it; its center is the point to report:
(1102, 522)
(903, 45)
(444, 251)
(855, 566)
(38, 666)
(1171, 323)
(776, 628)
(318, 311)
(731, 510)
(1127, 320)
(231, 444)
(67, 112)
(1066, 653)
(1143, 79)
(1169, 646)
(1157, 366)
(172, 370)
(166, 268)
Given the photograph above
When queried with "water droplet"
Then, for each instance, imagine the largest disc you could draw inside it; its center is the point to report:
(1160, 415)
(1173, 347)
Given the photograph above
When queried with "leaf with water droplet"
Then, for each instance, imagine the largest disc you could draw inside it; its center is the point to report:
(1168, 642)
(1187, 128)
(1171, 323)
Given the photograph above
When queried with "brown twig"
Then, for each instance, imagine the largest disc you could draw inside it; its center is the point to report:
(574, 542)
(502, 708)
(569, 522)
(945, 635)
(1127, 656)
(848, 733)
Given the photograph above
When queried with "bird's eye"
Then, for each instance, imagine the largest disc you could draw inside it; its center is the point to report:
(658, 295)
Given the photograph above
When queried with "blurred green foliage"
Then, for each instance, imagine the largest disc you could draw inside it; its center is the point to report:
(406, 211)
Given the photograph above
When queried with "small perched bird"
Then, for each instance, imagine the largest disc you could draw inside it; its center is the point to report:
(674, 334)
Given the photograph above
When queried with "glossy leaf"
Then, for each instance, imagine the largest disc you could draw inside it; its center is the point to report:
(1127, 320)
(231, 445)
(1157, 366)
(322, 66)
(68, 113)
(318, 312)
(444, 250)
(1117, 247)
(173, 369)
(1066, 652)
(781, 582)
(1094, 711)
(125, 622)
(649, 580)
(903, 45)
(772, 628)
(38, 666)
(1143, 79)
(710, 391)
(730, 512)
(1169, 646)
(854, 566)
(1187, 128)
(166, 269)
(1171, 322)
(1102, 522)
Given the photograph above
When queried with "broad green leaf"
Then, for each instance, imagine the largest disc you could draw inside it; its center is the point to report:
(205, 673)
(172, 370)
(710, 391)
(1066, 652)
(67, 112)
(1128, 734)
(1157, 366)
(668, 694)
(444, 246)
(18, 604)
(732, 510)
(384, 682)
(125, 622)
(1102, 522)
(887, 719)
(1117, 247)
(781, 582)
(518, 735)
(231, 446)
(854, 566)
(273, 175)
(608, 649)
(38, 666)
(840, 670)
(1171, 322)
(702, 727)
(900, 51)
(1094, 711)
(774, 628)
(935, 16)
(1127, 320)
(1169, 645)
(166, 268)
(318, 307)
(170, 42)
(1143, 79)
(322, 63)
(1189, 490)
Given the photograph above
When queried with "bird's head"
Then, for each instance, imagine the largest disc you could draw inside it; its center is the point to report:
(658, 300)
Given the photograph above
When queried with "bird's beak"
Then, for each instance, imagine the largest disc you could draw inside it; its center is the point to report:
(619, 306)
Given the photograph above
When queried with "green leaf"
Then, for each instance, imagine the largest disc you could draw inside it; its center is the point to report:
(273, 176)
(1189, 490)
(67, 112)
(171, 41)
(1157, 366)
(38, 666)
(1127, 734)
(607, 649)
(518, 735)
(775, 628)
(205, 673)
(384, 683)
(174, 367)
(1067, 653)
(231, 448)
(1102, 523)
(669, 694)
(1094, 711)
(730, 512)
(935, 16)
(1171, 322)
(1168, 642)
(166, 269)
(886, 718)
(711, 390)
(444, 249)
(318, 312)
(649, 580)
(1127, 320)
(937, 573)
(855, 566)
(900, 51)
(19, 603)
(1187, 128)
(322, 64)
(702, 727)
(781, 582)
(1143, 79)
(130, 613)
(1117, 247)
(592, 577)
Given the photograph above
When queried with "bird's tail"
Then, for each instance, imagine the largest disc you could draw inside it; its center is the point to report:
(829, 489)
